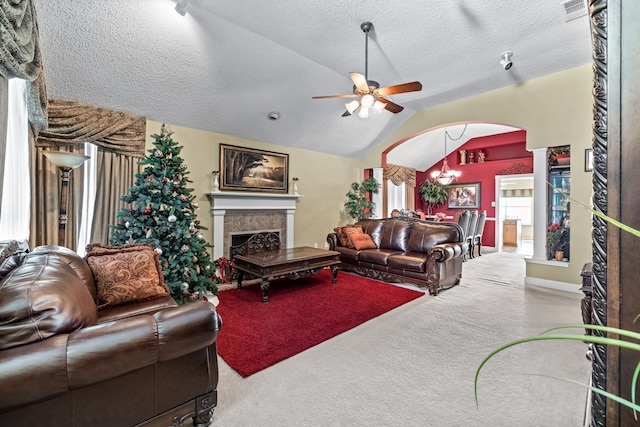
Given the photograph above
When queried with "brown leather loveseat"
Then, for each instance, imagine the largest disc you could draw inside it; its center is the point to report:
(425, 253)
(65, 362)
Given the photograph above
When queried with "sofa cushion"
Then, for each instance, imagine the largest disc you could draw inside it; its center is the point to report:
(395, 235)
(125, 274)
(413, 261)
(361, 241)
(373, 227)
(40, 298)
(424, 236)
(344, 232)
(347, 254)
(377, 256)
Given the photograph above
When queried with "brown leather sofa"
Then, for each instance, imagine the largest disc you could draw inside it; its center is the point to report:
(63, 362)
(425, 253)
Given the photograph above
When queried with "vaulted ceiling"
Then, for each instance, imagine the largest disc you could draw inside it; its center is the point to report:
(227, 64)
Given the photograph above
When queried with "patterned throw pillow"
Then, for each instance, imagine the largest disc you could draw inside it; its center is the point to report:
(341, 236)
(125, 274)
(362, 241)
(349, 231)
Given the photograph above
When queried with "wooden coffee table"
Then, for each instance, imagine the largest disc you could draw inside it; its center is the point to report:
(292, 263)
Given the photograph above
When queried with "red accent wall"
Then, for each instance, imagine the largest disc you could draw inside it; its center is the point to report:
(505, 154)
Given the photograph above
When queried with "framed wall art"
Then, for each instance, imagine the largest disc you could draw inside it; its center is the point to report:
(250, 169)
(464, 196)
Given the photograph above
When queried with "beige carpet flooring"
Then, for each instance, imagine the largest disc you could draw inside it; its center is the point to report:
(415, 365)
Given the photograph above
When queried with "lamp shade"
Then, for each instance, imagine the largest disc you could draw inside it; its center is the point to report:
(64, 159)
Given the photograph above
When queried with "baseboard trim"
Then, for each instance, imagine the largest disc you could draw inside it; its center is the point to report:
(552, 284)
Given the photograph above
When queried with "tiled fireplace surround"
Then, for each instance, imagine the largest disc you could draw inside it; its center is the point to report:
(244, 213)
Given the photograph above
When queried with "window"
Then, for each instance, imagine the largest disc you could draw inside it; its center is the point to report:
(15, 208)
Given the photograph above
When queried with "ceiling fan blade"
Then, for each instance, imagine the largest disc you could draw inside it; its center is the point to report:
(391, 106)
(351, 95)
(402, 88)
(360, 81)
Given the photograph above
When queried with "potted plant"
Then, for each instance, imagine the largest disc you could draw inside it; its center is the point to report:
(432, 193)
(554, 240)
(357, 205)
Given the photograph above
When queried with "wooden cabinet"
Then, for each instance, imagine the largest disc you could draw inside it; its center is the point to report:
(511, 232)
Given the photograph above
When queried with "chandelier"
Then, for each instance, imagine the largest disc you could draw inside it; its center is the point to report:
(446, 176)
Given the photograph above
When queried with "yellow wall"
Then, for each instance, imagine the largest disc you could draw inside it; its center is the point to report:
(324, 180)
(555, 110)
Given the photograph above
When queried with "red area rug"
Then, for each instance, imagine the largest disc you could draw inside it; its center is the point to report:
(300, 314)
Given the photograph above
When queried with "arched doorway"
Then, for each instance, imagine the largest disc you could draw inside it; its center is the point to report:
(503, 148)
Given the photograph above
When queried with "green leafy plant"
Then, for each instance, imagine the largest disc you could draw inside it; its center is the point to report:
(432, 193)
(546, 335)
(357, 205)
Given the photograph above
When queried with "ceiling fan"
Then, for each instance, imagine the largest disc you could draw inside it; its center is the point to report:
(369, 92)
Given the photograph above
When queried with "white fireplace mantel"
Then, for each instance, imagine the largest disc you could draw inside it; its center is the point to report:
(223, 201)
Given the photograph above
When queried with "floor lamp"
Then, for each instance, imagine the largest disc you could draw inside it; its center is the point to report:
(66, 162)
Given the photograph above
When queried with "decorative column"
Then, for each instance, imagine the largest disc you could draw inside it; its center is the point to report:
(540, 188)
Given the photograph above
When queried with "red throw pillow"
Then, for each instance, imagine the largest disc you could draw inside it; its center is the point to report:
(362, 241)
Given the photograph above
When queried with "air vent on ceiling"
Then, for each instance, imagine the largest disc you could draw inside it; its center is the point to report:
(573, 9)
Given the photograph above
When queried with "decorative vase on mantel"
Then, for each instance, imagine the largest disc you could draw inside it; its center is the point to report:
(216, 182)
(295, 186)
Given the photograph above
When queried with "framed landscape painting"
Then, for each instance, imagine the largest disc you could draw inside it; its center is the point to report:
(250, 169)
(464, 196)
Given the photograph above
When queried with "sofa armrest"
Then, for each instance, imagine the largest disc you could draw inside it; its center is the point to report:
(332, 239)
(110, 349)
(446, 251)
(187, 328)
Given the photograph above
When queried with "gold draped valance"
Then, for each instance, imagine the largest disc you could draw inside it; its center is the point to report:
(20, 56)
(72, 123)
(399, 174)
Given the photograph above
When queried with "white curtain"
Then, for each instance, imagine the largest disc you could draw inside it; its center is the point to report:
(88, 197)
(396, 197)
(15, 207)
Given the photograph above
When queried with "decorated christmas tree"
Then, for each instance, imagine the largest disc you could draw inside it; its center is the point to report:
(161, 212)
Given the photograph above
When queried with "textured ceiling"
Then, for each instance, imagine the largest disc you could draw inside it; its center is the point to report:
(226, 64)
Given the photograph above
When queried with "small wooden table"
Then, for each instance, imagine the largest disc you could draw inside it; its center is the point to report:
(292, 263)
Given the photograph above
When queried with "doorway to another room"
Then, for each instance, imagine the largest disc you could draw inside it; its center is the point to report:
(514, 214)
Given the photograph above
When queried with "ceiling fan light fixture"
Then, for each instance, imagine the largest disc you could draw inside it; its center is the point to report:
(363, 113)
(379, 106)
(352, 106)
(367, 101)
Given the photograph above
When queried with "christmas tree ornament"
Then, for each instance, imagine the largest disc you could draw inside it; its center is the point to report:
(172, 218)
(159, 250)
